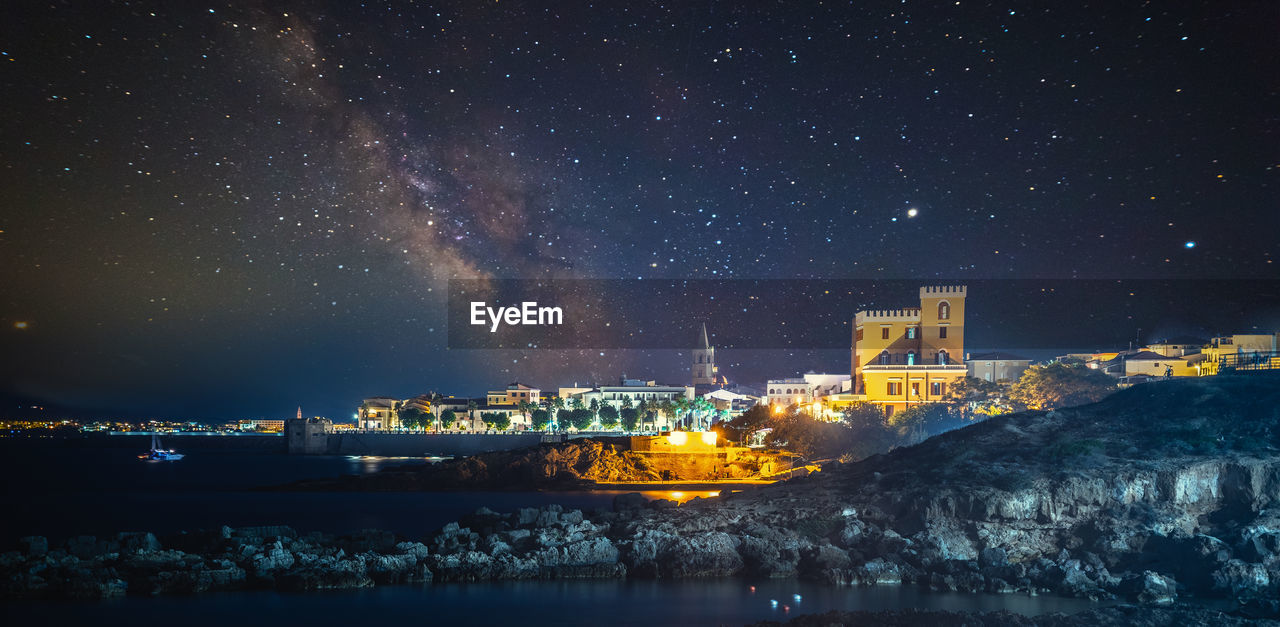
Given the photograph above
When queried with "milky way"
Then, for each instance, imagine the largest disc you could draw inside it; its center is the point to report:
(227, 210)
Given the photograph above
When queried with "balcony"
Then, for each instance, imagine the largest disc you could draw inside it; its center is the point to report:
(913, 367)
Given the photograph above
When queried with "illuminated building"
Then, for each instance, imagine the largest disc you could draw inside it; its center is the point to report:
(905, 357)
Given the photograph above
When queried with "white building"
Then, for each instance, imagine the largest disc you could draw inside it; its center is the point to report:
(806, 389)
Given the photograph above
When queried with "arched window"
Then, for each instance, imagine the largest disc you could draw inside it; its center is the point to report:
(942, 358)
(911, 358)
(884, 358)
(911, 333)
(944, 310)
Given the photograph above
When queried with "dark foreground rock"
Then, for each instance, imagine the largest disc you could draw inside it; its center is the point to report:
(1164, 493)
(1117, 616)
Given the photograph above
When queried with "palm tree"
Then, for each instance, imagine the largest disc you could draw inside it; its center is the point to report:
(703, 406)
(682, 407)
(558, 404)
(471, 408)
(595, 411)
(525, 408)
(643, 407)
(435, 406)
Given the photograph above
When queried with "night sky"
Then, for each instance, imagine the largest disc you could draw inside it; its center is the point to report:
(225, 211)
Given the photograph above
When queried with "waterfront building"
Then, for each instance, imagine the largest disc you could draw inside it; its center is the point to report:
(514, 394)
(806, 389)
(268, 426)
(995, 366)
(378, 412)
(909, 356)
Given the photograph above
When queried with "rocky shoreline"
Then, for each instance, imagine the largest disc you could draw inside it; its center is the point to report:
(1164, 493)
(580, 464)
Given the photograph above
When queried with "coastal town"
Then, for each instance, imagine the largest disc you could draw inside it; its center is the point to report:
(901, 358)
(904, 358)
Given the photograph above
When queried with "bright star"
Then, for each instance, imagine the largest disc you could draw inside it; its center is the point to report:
(911, 213)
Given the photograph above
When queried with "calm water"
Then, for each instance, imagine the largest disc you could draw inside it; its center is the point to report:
(63, 491)
(58, 491)
(526, 603)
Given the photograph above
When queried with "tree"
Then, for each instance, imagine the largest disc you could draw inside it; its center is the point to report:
(748, 422)
(609, 415)
(471, 411)
(540, 418)
(629, 417)
(526, 407)
(576, 403)
(447, 417)
(681, 406)
(704, 408)
(496, 420)
(918, 422)
(410, 417)
(1059, 385)
(581, 418)
(668, 410)
(801, 433)
(558, 404)
(979, 396)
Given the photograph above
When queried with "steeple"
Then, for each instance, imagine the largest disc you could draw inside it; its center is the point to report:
(299, 412)
(704, 362)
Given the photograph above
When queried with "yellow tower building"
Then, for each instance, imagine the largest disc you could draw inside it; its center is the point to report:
(904, 357)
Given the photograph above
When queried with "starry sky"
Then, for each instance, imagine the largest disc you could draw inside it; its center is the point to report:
(226, 210)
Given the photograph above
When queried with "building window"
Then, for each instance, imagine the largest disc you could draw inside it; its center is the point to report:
(936, 389)
(911, 333)
(944, 311)
(894, 388)
(942, 333)
(915, 389)
(859, 335)
(884, 333)
(884, 358)
(911, 358)
(942, 358)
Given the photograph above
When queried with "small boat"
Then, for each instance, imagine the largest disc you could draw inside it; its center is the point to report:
(158, 454)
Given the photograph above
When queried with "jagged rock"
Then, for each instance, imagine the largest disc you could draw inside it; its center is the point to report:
(708, 554)
(1151, 587)
(418, 550)
(274, 558)
(1246, 580)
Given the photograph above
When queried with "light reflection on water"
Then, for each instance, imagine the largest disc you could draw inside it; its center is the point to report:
(681, 496)
(367, 464)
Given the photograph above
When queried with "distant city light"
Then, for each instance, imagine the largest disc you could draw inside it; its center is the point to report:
(20, 325)
(1190, 244)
